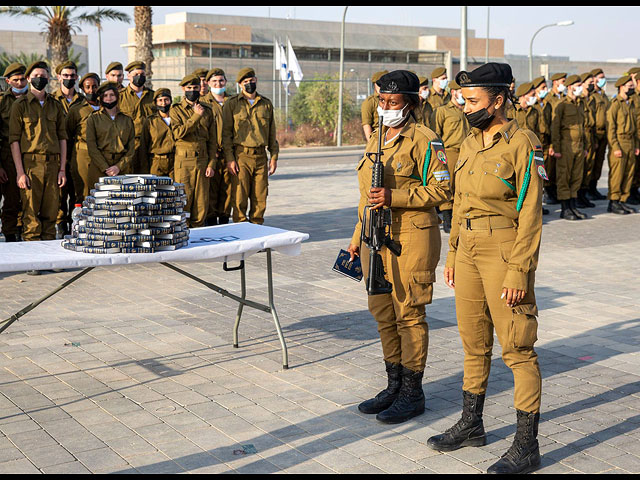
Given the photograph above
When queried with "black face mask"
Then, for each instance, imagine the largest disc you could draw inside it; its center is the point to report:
(108, 105)
(139, 80)
(39, 83)
(192, 95)
(250, 87)
(631, 91)
(480, 119)
(92, 97)
(590, 88)
(164, 108)
(69, 83)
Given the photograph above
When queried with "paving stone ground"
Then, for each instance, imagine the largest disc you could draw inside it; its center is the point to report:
(132, 369)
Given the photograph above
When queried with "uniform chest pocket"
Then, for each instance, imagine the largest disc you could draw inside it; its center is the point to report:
(240, 117)
(498, 178)
(398, 171)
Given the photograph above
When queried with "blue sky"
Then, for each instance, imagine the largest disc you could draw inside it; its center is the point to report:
(599, 33)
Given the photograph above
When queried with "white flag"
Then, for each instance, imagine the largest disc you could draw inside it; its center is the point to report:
(284, 71)
(294, 66)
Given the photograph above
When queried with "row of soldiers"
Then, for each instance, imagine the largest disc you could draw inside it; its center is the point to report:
(54, 147)
(575, 122)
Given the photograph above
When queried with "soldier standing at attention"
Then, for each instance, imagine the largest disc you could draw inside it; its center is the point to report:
(157, 145)
(115, 74)
(557, 93)
(568, 146)
(76, 124)
(590, 138)
(38, 140)
(110, 138)
(220, 191)
(416, 181)
(493, 255)
(11, 206)
(194, 132)
(622, 135)
(369, 108)
(634, 194)
(423, 111)
(449, 123)
(248, 129)
(136, 101)
(601, 105)
(544, 129)
(438, 94)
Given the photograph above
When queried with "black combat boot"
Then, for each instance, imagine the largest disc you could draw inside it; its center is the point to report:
(446, 220)
(10, 237)
(549, 196)
(223, 219)
(545, 211)
(566, 212)
(524, 454)
(410, 400)
(593, 192)
(628, 208)
(468, 432)
(616, 207)
(634, 197)
(386, 397)
(582, 201)
(574, 209)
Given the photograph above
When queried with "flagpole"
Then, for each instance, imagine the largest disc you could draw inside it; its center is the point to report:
(273, 97)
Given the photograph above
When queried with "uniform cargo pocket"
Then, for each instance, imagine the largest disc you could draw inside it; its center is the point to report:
(505, 250)
(524, 326)
(421, 288)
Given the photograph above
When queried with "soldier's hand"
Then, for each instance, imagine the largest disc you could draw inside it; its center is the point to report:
(637, 152)
(552, 152)
(112, 171)
(24, 182)
(232, 168)
(380, 197)
(617, 153)
(62, 178)
(513, 296)
(209, 172)
(3, 176)
(199, 109)
(354, 250)
(449, 277)
(273, 164)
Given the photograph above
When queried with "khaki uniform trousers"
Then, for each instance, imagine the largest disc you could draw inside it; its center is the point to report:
(89, 172)
(191, 170)
(480, 268)
(621, 172)
(598, 159)
(251, 184)
(11, 205)
(40, 202)
(67, 196)
(79, 151)
(569, 170)
(220, 192)
(400, 315)
(162, 165)
(588, 164)
(452, 159)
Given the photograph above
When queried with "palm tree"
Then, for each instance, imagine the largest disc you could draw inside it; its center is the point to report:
(144, 38)
(61, 22)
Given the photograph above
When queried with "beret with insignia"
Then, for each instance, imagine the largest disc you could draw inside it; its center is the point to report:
(14, 69)
(113, 66)
(215, 72)
(135, 65)
(190, 80)
(246, 72)
(488, 75)
(438, 72)
(538, 81)
(378, 75)
(558, 76)
(571, 79)
(90, 75)
(622, 80)
(399, 81)
(34, 65)
(161, 92)
(524, 88)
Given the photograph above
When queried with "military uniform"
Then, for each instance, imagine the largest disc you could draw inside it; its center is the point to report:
(600, 104)
(196, 145)
(11, 206)
(39, 130)
(221, 188)
(138, 108)
(590, 146)
(76, 124)
(622, 134)
(157, 146)
(247, 130)
(436, 99)
(369, 111)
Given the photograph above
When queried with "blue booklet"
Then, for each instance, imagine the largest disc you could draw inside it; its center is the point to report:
(349, 269)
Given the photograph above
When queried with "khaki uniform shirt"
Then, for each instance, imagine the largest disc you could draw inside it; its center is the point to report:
(6, 102)
(567, 126)
(622, 133)
(248, 125)
(414, 192)
(194, 134)
(39, 129)
(489, 180)
(450, 124)
(369, 111)
(544, 128)
(110, 142)
(76, 124)
(600, 104)
(529, 119)
(217, 113)
(423, 113)
(136, 108)
(157, 138)
(589, 122)
(436, 100)
(75, 100)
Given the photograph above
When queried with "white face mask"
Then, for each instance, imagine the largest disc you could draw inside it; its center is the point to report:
(424, 94)
(460, 99)
(392, 118)
(444, 83)
(531, 101)
(543, 93)
(578, 91)
(562, 88)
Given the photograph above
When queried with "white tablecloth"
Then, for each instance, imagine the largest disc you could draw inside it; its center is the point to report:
(220, 243)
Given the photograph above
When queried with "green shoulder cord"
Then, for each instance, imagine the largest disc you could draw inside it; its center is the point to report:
(525, 184)
(425, 170)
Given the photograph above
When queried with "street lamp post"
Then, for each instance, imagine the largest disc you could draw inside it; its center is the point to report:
(210, 41)
(341, 85)
(566, 23)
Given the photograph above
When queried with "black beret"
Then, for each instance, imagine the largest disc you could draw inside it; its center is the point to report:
(487, 75)
(399, 81)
